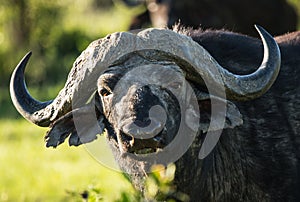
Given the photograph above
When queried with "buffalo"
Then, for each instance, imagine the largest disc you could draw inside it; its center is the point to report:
(277, 16)
(223, 106)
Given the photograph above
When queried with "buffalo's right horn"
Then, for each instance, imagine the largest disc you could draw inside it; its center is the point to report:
(27, 106)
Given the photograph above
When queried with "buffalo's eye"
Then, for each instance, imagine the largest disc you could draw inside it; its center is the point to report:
(175, 85)
(104, 92)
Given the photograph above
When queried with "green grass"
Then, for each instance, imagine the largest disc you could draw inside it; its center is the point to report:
(31, 172)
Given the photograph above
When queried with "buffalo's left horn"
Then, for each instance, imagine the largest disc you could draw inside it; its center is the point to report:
(246, 87)
(24, 103)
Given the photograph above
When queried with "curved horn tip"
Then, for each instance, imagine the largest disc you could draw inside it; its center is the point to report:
(28, 55)
(22, 64)
(259, 28)
(270, 45)
(267, 39)
(262, 32)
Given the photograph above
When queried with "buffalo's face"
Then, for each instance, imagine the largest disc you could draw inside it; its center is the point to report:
(142, 105)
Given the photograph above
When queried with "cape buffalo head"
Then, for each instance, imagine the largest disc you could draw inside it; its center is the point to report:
(145, 89)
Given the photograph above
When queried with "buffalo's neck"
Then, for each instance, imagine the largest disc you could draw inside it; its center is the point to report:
(221, 176)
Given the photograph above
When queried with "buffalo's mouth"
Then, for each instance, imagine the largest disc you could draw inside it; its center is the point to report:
(133, 145)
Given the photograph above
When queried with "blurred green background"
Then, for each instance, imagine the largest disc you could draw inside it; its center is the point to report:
(56, 31)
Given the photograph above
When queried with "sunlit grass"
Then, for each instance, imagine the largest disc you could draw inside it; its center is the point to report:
(31, 172)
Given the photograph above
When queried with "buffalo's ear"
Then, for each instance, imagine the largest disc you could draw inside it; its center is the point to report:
(81, 124)
(232, 116)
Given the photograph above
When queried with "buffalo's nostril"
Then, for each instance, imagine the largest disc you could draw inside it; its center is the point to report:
(154, 128)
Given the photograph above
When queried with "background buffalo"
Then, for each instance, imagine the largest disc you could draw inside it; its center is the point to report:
(277, 16)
